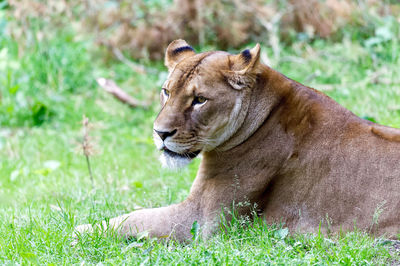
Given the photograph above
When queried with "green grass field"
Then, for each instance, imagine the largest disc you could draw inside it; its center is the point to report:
(46, 87)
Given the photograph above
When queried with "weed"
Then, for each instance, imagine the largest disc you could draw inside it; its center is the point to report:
(87, 146)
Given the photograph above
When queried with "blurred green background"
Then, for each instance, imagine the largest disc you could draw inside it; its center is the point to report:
(50, 50)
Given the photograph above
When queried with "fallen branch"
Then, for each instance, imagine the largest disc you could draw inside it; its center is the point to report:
(111, 87)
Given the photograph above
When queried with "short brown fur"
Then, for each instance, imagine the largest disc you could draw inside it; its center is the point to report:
(302, 158)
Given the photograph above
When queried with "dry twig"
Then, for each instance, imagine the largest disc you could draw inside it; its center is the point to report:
(111, 87)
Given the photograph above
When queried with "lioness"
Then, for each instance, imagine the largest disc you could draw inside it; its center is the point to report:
(296, 154)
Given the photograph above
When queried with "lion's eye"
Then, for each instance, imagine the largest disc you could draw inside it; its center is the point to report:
(198, 100)
(166, 92)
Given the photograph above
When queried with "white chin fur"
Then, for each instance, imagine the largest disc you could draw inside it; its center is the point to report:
(173, 163)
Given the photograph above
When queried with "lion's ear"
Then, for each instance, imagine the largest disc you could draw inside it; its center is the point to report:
(176, 52)
(243, 68)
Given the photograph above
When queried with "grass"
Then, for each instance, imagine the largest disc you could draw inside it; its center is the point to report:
(45, 188)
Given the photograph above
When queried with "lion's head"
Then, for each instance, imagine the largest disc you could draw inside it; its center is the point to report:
(204, 100)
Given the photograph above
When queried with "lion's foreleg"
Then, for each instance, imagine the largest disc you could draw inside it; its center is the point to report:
(172, 221)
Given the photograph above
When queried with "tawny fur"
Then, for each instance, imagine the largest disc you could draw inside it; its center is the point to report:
(302, 158)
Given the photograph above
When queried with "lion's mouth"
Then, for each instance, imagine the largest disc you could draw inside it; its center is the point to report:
(187, 155)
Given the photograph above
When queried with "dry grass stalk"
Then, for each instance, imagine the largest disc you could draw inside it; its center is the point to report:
(87, 146)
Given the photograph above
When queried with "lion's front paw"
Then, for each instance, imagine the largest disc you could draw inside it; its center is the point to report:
(80, 229)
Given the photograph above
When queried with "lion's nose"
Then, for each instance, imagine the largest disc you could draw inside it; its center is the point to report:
(165, 134)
